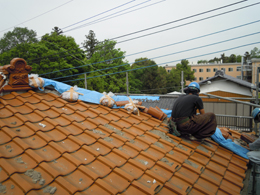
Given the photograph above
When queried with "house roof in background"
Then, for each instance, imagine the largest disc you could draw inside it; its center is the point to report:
(49, 144)
(221, 75)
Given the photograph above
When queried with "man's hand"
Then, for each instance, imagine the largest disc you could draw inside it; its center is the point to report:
(202, 111)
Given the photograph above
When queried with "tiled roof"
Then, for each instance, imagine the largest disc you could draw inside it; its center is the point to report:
(165, 102)
(48, 145)
(220, 74)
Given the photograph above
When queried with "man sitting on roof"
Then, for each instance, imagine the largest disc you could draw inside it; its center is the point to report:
(188, 123)
(254, 156)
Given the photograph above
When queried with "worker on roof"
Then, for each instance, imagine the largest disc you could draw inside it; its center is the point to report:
(190, 124)
(254, 155)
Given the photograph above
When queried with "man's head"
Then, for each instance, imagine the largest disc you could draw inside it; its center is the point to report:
(193, 88)
(256, 115)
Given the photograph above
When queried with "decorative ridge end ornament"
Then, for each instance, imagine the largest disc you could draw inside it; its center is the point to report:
(17, 73)
(220, 73)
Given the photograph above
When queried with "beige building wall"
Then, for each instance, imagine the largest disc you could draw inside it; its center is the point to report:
(255, 65)
(204, 71)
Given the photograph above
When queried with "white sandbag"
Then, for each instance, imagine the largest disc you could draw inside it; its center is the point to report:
(107, 99)
(131, 107)
(71, 95)
(36, 81)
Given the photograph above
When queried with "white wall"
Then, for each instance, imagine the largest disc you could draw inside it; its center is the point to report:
(226, 86)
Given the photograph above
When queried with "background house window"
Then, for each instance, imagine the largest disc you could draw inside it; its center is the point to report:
(195, 70)
(208, 69)
(201, 70)
(215, 70)
(201, 78)
(223, 69)
(230, 69)
(195, 79)
(207, 77)
(239, 68)
(168, 70)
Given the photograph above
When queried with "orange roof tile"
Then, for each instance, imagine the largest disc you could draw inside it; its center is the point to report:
(48, 145)
(91, 149)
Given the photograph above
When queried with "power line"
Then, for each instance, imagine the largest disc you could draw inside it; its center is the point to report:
(160, 56)
(101, 21)
(179, 19)
(156, 47)
(190, 22)
(165, 62)
(106, 17)
(174, 21)
(37, 16)
(98, 14)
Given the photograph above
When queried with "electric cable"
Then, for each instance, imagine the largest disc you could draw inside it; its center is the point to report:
(38, 15)
(178, 20)
(106, 17)
(159, 56)
(156, 47)
(98, 14)
(165, 62)
(188, 23)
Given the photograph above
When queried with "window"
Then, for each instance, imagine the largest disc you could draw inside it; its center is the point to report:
(168, 70)
(230, 69)
(215, 69)
(195, 70)
(239, 68)
(201, 70)
(195, 79)
(208, 69)
(207, 77)
(201, 78)
(238, 77)
(223, 69)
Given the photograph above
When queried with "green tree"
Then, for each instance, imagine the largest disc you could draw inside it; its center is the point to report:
(90, 44)
(18, 36)
(105, 57)
(50, 55)
(255, 53)
(57, 30)
(246, 56)
(188, 74)
(202, 61)
(232, 58)
(150, 80)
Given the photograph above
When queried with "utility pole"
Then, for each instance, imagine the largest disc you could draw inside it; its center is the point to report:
(256, 95)
(85, 80)
(242, 63)
(127, 90)
(182, 82)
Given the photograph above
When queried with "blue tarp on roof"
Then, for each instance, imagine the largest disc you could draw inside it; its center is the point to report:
(89, 96)
(136, 97)
(229, 144)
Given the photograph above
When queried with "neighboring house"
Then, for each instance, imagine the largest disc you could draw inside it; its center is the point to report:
(227, 86)
(230, 87)
(51, 146)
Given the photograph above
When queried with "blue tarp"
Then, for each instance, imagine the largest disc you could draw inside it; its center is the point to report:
(143, 97)
(89, 96)
(168, 112)
(229, 144)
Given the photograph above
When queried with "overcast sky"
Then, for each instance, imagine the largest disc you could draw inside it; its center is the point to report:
(70, 12)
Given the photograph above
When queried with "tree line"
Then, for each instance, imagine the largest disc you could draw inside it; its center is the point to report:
(55, 52)
(254, 53)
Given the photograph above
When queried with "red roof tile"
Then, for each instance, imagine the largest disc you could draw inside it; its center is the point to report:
(84, 148)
